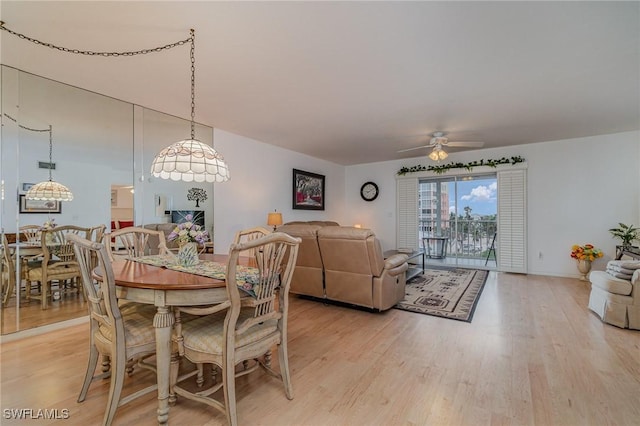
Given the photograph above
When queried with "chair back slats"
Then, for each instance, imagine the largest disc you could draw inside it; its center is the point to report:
(275, 256)
(103, 305)
(31, 233)
(247, 235)
(135, 242)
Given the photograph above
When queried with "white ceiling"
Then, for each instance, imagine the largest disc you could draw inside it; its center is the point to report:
(353, 82)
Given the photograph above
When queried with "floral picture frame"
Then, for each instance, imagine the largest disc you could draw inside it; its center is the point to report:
(308, 190)
(39, 206)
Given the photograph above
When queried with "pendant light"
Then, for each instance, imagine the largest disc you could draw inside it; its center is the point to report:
(190, 160)
(49, 190)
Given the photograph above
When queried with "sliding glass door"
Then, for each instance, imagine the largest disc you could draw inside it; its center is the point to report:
(457, 219)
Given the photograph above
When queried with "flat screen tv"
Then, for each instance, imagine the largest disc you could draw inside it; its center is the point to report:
(179, 216)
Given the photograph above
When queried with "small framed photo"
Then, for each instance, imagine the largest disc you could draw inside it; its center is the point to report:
(39, 206)
(308, 190)
(27, 186)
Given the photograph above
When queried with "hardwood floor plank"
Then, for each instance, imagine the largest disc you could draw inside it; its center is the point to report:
(533, 355)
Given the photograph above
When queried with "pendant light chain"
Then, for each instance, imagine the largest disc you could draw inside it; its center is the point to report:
(193, 84)
(93, 53)
(203, 162)
(49, 129)
(50, 151)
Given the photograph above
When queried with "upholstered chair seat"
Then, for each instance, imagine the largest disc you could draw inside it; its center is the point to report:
(616, 301)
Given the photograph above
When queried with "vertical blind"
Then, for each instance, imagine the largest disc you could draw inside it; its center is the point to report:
(512, 221)
(407, 206)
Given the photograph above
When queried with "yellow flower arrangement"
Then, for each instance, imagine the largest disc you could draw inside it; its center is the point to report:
(585, 252)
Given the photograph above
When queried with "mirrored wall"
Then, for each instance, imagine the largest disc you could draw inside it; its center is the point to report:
(102, 151)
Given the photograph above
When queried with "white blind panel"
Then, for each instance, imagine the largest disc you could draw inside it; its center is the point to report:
(512, 221)
(407, 209)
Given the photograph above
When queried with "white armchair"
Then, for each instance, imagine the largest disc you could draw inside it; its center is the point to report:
(616, 301)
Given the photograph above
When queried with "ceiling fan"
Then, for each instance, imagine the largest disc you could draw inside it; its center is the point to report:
(439, 140)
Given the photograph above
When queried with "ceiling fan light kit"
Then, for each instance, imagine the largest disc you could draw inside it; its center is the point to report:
(438, 141)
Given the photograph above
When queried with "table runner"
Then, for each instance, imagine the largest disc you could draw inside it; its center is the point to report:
(246, 276)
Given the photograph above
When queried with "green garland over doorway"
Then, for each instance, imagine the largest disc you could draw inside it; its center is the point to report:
(440, 169)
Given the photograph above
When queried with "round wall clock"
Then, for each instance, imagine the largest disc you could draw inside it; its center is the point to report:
(369, 191)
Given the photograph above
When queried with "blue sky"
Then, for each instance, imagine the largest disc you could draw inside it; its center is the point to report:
(479, 194)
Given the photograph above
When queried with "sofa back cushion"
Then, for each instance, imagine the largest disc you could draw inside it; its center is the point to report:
(352, 257)
(166, 228)
(307, 276)
(350, 249)
(314, 222)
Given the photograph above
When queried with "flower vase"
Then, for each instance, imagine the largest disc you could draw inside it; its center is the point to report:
(584, 266)
(188, 254)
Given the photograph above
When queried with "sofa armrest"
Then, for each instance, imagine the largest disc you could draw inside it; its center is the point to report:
(396, 264)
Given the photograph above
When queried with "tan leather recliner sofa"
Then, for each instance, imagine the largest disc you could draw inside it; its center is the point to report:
(346, 264)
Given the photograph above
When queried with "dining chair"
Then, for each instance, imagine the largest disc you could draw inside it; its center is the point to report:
(243, 328)
(31, 233)
(134, 242)
(8, 272)
(124, 335)
(58, 262)
(249, 235)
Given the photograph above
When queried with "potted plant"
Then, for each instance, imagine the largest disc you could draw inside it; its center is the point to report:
(626, 233)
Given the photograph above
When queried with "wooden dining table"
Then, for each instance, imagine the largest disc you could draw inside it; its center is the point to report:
(166, 288)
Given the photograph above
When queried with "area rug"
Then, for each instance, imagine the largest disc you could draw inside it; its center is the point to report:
(447, 293)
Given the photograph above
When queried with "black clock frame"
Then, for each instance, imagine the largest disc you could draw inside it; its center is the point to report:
(365, 185)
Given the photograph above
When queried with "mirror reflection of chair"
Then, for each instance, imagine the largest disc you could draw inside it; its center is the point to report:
(8, 272)
(243, 329)
(135, 242)
(31, 233)
(58, 263)
(123, 334)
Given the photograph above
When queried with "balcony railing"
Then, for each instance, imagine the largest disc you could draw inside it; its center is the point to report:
(465, 238)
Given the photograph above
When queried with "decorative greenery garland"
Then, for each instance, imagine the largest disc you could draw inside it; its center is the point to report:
(469, 166)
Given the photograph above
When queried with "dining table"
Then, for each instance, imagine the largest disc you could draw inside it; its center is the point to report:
(166, 288)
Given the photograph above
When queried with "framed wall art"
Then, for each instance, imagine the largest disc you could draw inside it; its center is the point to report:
(39, 206)
(308, 190)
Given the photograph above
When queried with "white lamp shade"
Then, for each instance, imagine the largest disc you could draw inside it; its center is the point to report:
(49, 191)
(190, 161)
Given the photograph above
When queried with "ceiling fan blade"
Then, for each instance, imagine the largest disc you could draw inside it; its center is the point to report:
(417, 147)
(466, 144)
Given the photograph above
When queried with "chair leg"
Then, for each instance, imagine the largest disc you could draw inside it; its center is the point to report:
(200, 376)
(283, 356)
(91, 368)
(44, 294)
(229, 387)
(115, 387)
(106, 363)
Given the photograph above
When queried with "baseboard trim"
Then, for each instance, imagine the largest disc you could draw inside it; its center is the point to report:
(43, 329)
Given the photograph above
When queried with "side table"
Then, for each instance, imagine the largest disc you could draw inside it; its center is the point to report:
(633, 252)
(415, 269)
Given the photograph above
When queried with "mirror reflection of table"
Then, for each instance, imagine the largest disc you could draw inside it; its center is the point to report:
(165, 288)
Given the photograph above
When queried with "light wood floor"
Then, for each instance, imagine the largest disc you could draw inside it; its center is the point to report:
(533, 355)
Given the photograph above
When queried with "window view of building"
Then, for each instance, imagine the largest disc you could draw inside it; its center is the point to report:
(458, 217)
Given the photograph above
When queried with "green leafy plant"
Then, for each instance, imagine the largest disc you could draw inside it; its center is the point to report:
(626, 233)
(440, 169)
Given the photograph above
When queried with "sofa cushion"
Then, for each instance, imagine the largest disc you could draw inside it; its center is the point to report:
(314, 222)
(610, 284)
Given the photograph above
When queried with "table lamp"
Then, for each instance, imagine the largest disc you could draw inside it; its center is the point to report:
(274, 219)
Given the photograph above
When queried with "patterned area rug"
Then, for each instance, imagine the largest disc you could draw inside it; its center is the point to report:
(447, 293)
